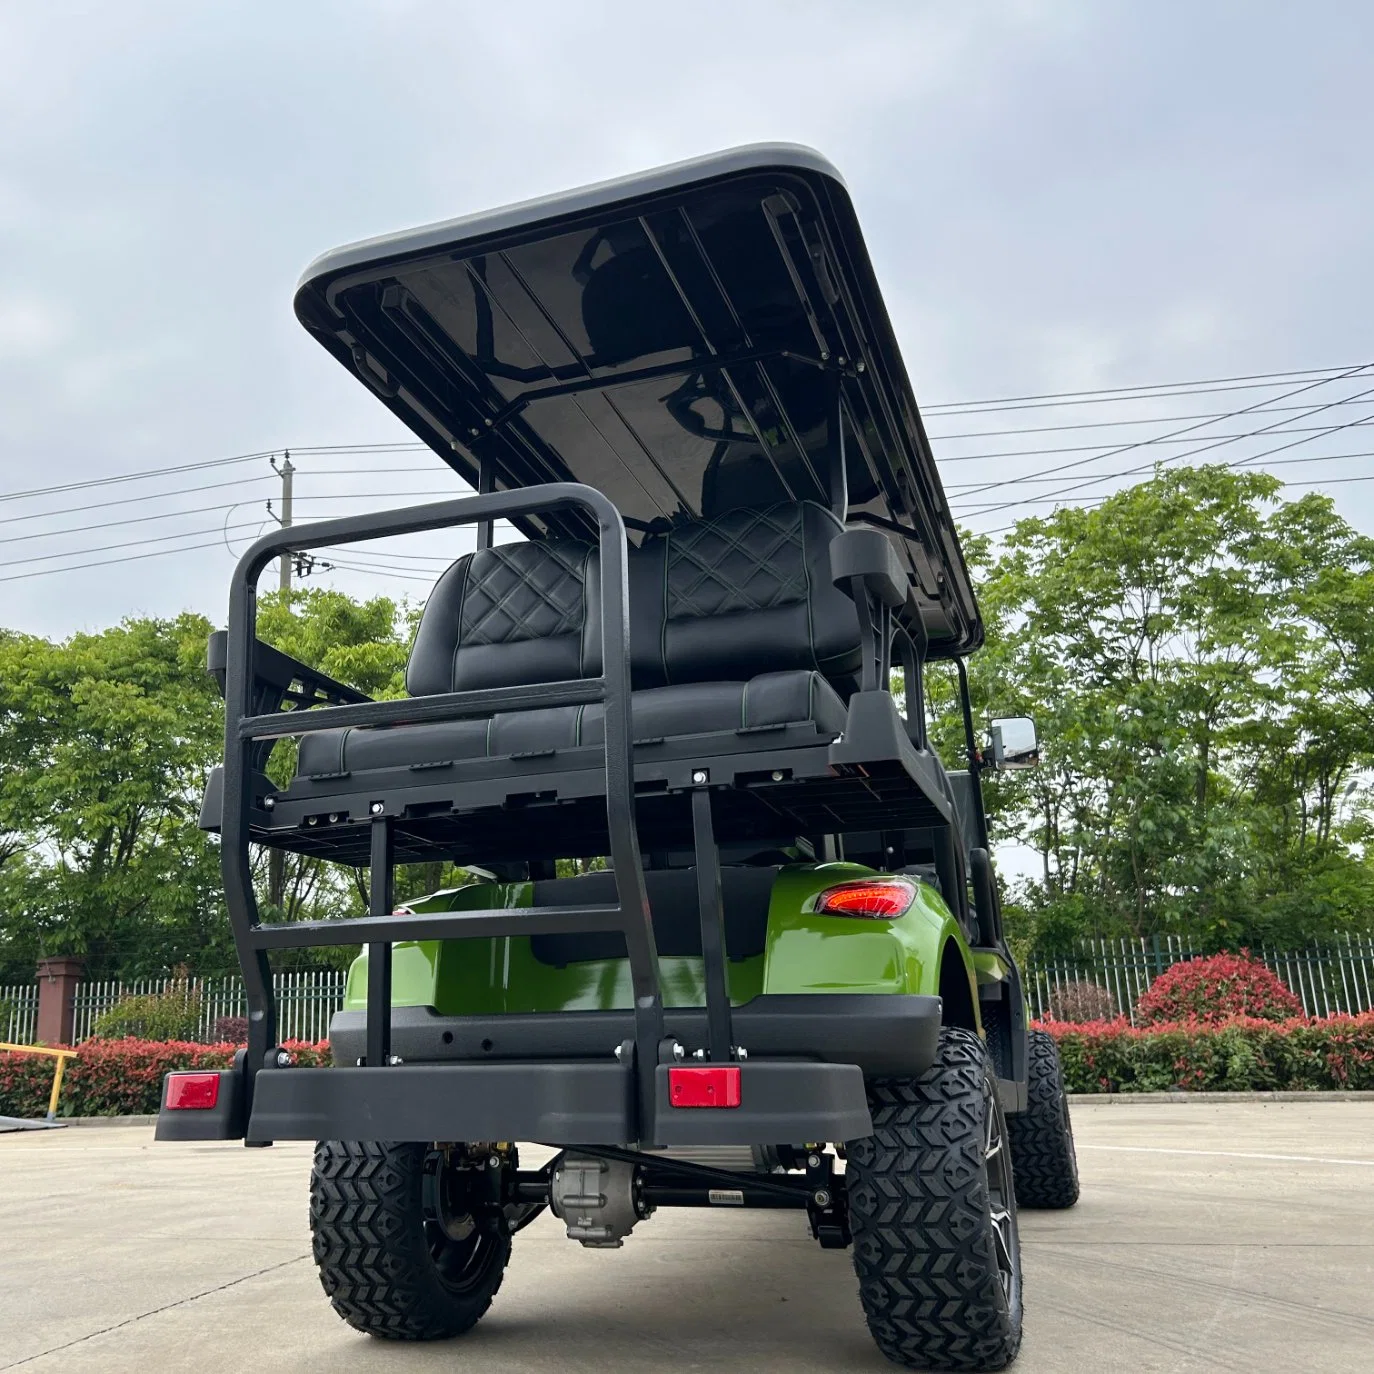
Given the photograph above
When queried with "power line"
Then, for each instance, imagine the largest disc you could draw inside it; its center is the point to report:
(131, 543)
(1266, 409)
(1323, 482)
(109, 562)
(200, 510)
(1142, 443)
(135, 476)
(1277, 463)
(1172, 458)
(132, 500)
(385, 572)
(1150, 391)
(152, 473)
(1128, 448)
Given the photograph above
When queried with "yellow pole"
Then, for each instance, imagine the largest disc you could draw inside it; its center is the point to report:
(56, 1086)
(61, 1056)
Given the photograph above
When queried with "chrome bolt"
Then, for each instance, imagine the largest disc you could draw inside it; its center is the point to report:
(333, 816)
(394, 1059)
(620, 1051)
(741, 1053)
(813, 1161)
(493, 1161)
(487, 423)
(698, 1054)
(268, 803)
(377, 808)
(283, 1059)
(678, 1052)
(840, 360)
(859, 366)
(777, 775)
(699, 775)
(825, 357)
(312, 820)
(821, 1197)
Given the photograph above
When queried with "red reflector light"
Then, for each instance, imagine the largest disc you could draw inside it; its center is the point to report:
(714, 1086)
(192, 1092)
(878, 899)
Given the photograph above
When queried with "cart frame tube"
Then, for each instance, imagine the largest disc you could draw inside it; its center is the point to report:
(630, 916)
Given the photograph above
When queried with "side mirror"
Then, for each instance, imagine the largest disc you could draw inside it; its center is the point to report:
(1014, 744)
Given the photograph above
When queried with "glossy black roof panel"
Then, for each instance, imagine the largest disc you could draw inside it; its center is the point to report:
(681, 340)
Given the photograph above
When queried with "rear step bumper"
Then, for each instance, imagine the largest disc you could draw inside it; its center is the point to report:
(553, 1077)
(557, 1103)
(886, 1035)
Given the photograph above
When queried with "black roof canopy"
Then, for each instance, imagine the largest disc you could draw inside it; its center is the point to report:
(656, 337)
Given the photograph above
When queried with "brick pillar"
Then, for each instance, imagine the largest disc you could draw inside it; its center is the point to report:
(57, 980)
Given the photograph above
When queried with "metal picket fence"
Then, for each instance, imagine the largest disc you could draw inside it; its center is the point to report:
(1328, 977)
(306, 1001)
(19, 1014)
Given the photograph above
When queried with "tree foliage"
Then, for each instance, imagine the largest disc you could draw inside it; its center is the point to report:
(105, 743)
(1198, 657)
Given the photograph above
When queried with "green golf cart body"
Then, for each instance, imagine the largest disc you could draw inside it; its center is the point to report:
(724, 895)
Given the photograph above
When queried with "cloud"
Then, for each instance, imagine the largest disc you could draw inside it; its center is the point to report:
(1055, 195)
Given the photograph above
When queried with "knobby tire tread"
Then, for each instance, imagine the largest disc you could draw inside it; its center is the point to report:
(920, 1213)
(367, 1223)
(1042, 1153)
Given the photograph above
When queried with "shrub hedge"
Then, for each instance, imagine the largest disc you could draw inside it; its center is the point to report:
(1245, 1054)
(115, 1077)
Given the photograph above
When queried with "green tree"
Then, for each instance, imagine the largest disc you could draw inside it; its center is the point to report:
(104, 741)
(1194, 651)
(105, 744)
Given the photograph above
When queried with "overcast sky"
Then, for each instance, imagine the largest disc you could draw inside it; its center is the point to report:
(1056, 195)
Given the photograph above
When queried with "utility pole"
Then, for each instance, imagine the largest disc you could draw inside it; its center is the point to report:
(284, 519)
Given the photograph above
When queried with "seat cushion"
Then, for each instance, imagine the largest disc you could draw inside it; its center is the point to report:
(765, 702)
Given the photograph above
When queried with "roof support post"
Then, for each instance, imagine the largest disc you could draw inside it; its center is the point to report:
(839, 472)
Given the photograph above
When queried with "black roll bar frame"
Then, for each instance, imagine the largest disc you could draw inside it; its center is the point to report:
(245, 730)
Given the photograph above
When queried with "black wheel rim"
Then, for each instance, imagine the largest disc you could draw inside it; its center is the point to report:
(1001, 1198)
(459, 1247)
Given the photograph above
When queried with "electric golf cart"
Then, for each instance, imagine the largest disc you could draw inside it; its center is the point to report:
(775, 975)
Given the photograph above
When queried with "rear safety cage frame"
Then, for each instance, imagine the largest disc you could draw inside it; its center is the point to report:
(247, 728)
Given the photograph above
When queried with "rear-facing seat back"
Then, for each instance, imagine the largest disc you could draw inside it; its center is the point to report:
(718, 600)
(745, 593)
(507, 617)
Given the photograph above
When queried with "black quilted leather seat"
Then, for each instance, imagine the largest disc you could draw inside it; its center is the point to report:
(735, 627)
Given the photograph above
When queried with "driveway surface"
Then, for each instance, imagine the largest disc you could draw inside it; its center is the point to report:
(1217, 1236)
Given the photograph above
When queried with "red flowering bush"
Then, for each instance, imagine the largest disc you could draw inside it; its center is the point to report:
(1217, 989)
(116, 1077)
(1245, 1054)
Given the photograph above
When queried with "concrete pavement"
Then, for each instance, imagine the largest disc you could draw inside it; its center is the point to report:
(1211, 1236)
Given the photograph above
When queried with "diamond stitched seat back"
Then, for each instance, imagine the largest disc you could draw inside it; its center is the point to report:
(507, 616)
(745, 593)
(720, 600)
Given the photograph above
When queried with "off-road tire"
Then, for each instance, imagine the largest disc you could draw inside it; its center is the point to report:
(933, 1213)
(1042, 1152)
(383, 1266)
